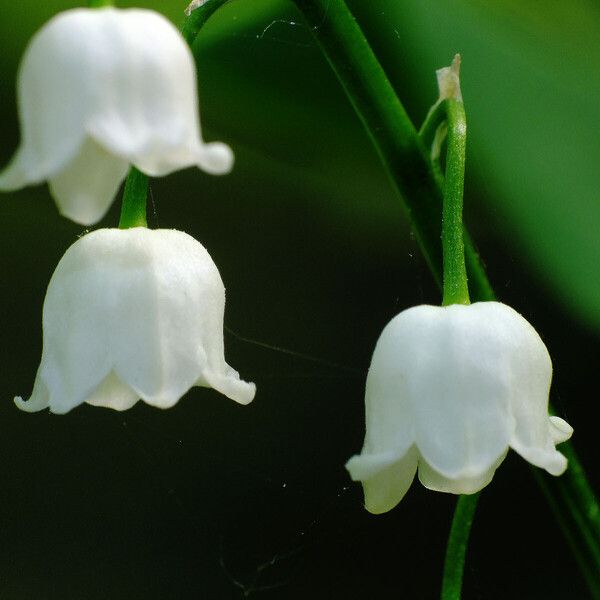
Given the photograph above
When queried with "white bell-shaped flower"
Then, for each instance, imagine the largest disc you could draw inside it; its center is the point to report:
(449, 390)
(133, 314)
(99, 90)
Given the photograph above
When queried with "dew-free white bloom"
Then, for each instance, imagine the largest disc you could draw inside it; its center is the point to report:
(133, 314)
(449, 390)
(99, 90)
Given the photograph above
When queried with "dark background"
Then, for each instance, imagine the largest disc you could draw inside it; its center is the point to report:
(214, 500)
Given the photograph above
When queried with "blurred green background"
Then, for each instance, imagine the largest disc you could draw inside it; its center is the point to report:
(213, 500)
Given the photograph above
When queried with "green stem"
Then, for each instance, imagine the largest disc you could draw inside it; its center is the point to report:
(100, 3)
(435, 117)
(585, 506)
(431, 135)
(456, 548)
(197, 17)
(576, 510)
(570, 524)
(133, 208)
(413, 176)
(455, 273)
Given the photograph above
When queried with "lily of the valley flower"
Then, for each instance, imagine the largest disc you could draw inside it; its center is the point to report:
(133, 314)
(449, 390)
(99, 90)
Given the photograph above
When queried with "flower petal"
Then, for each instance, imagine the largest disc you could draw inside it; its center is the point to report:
(385, 480)
(215, 158)
(560, 430)
(113, 393)
(39, 400)
(159, 300)
(76, 352)
(228, 384)
(86, 187)
(18, 173)
(388, 411)
(451, 375)
(462, 483)
(168, 326)
(53, 99)
(535, 433)
(145, 96)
